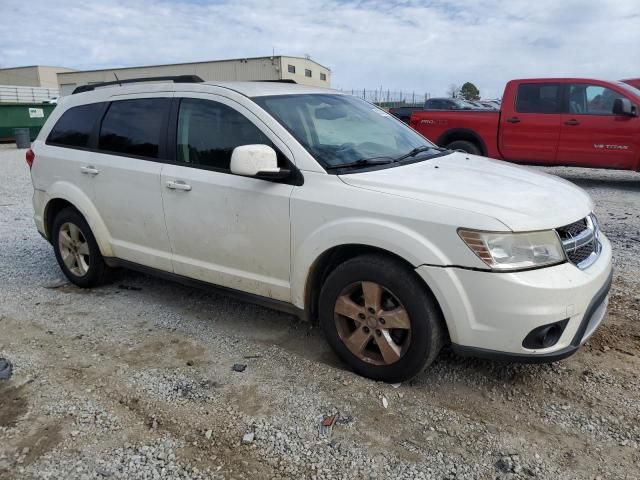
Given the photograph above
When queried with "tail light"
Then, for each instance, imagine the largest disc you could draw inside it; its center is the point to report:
(30, 157)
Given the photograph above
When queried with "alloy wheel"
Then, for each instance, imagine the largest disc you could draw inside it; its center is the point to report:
(372, 323)
(74, 249)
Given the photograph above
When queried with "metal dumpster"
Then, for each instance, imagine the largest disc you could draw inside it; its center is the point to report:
(22, 115)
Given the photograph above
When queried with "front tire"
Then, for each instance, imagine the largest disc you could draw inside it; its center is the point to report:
(464, 146)
(76, 249)
(380, 318)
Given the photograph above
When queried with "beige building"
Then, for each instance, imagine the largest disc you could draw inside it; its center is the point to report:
(32, 76)
(302, 70)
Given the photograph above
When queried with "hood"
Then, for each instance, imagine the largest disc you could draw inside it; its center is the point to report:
(519, 197)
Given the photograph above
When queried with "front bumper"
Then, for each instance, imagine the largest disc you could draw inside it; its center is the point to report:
(489, 314)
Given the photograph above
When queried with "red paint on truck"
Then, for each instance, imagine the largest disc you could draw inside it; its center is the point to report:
(558, 121)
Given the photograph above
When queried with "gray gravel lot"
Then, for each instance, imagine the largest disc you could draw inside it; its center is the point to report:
(135, 380)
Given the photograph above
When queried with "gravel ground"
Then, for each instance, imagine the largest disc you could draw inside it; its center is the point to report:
(135, 380)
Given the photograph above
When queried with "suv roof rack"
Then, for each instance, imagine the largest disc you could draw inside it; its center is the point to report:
(282, 80)
(172, 78)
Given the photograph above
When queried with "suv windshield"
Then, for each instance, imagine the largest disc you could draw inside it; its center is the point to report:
(343, 131)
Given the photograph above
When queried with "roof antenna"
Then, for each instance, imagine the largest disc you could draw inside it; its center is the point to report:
(114, 74)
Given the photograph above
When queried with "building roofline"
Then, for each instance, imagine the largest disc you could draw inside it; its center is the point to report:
(37, 66)
(194, 63)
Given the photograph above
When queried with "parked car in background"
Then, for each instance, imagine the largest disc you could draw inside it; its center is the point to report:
(489, 105)
(634, 82)
(320, 204)
(448, 104)
(51, 101)
(404, 113)
(558, 121)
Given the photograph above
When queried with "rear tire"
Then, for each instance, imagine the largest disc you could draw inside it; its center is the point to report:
(362, 301)
(465, 146)
(76, 249)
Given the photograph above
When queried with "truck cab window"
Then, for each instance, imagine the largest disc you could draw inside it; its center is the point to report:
(592, 99)
(539, 98)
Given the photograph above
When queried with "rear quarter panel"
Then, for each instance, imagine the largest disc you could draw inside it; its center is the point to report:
(443, 127)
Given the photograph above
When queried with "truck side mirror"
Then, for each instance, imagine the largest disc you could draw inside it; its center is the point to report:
(623, 106)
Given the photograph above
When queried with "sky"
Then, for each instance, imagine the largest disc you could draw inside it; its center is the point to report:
(412, 46)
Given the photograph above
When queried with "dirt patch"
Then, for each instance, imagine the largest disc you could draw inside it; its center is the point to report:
(13, 404)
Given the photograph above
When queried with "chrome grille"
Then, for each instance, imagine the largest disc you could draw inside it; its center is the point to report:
(580, 241)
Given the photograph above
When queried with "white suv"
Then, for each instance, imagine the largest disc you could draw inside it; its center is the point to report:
(325, 206)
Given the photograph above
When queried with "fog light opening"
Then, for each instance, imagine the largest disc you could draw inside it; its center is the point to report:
(545, 336)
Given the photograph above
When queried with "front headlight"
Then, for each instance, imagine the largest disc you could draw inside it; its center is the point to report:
(514, 251)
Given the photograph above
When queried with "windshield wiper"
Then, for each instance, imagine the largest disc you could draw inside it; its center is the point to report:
(363, 162)
(414, 152)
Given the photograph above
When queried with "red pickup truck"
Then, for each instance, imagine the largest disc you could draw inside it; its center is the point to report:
(554, 121)
(634, 82)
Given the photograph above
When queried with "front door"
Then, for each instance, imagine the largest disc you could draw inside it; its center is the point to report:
(225, 229)
(530, 129)
(591, 135)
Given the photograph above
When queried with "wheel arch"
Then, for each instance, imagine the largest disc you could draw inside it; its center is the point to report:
(67, 195)
(465, 134)
(331, 258)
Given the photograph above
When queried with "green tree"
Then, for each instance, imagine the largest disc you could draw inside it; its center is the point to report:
(470, 92)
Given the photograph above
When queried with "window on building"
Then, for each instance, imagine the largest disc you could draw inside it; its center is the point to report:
(323, 76)
(291, 69)
(307, 72)
(539, 98)
(74, 128)
(209, 131)
(134, 127)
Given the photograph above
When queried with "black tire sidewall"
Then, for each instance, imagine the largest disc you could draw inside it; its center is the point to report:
(465, 145)
(96, 271)
(424, 314)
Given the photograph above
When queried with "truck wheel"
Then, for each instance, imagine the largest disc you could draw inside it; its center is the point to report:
(76, 249)
(380, 319)
(464, 146)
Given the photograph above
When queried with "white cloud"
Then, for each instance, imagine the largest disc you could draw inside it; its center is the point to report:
(420, 46)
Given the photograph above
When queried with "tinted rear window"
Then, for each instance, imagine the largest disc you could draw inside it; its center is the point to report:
(74, 128)
(539, 98)
(134, 127)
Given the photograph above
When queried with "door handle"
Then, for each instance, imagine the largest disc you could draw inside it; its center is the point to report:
(89, 170)
(573, 121)
(513, 120)
(178, 185)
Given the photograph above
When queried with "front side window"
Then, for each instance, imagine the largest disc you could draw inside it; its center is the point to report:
(307, 72)
(592, 99)
(74, 127)
(134, 127)
(291, 69)
(539, 98)
(340, 129)
(208, 132)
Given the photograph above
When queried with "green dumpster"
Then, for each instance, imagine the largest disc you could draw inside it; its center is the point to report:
(22, 115)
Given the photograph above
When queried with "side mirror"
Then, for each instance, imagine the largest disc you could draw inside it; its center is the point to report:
(259, 161)
(622, 106)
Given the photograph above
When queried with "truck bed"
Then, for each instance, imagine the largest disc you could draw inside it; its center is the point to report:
(479, 125)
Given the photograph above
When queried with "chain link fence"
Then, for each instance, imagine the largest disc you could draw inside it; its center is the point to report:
(389, 98)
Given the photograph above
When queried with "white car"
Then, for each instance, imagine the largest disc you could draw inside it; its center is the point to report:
(323, 205)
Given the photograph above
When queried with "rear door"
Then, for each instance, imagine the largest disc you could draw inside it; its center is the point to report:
(591, 135)
(127, 178)
(530, 126)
